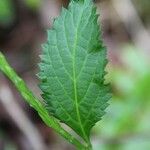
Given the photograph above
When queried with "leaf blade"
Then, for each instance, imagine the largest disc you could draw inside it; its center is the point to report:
(72, 69)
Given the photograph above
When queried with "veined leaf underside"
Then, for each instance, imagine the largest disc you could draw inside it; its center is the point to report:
(72, 68)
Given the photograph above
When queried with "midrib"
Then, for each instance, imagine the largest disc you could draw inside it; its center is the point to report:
(75, 81)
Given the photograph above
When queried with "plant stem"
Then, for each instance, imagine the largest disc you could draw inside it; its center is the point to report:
(35, 103)
(89, 145)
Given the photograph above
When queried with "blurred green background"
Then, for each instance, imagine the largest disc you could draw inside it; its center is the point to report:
(126, 33)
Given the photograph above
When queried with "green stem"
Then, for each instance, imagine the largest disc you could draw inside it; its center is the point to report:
(89, 145)
(36, 104)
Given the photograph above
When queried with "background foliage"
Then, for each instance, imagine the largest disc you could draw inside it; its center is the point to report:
(126, 32)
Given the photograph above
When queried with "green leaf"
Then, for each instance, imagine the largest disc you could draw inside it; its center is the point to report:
(72, 69)
(30, 98)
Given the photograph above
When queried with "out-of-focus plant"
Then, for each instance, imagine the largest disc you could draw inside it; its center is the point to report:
(127, 125)
(143, 9)
(33, 4)
(6, 12)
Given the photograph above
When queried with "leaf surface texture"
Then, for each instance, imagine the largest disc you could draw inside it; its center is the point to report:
(72, 68)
